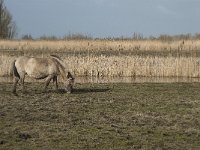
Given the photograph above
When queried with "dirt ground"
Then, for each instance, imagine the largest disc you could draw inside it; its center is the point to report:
(101, 116)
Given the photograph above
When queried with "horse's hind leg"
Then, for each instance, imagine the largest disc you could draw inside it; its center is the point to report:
(22, 78)
(15, 85)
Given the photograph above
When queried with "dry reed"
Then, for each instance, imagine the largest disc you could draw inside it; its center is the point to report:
(123, 66)
(84, 61)
(131, 66)
(101, 45)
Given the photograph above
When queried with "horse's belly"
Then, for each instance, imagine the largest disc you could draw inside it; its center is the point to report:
(37, 75)
(37, 72)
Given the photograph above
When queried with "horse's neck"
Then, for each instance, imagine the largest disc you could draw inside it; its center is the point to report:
(61, 68)
(62, 72)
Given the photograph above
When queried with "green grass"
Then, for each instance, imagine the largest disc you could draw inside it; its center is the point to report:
(101, 116)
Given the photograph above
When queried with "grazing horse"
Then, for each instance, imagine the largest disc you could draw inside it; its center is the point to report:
(41, 68)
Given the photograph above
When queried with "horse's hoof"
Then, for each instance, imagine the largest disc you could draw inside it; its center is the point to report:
(70, 91)
(15, 93)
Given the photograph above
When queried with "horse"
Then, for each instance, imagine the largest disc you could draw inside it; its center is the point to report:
(41, 68)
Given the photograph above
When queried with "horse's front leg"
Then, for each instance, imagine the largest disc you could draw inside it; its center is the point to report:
(55, 80)
(48, 81)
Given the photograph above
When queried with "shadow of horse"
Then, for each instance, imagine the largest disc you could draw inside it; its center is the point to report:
(90, 90)
(83, 90)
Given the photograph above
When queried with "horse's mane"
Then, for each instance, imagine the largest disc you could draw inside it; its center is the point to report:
(55, 56)
(57, 59)
(61, 65)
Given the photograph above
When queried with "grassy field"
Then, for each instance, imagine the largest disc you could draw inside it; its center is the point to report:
(101, 116)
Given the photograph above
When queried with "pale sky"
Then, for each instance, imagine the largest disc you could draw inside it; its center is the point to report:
(105, 18)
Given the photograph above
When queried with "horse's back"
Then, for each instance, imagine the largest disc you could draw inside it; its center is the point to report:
(36, 67)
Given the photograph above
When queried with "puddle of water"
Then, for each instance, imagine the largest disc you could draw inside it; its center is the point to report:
(117, 80)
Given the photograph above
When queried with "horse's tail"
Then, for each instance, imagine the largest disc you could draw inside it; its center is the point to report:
(14, 70)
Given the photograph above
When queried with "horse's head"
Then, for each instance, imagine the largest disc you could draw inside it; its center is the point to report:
(69, 83)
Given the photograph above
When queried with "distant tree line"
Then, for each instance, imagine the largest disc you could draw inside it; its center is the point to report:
(165, 37)
(7, 25)
(75, 36)
(136, 36)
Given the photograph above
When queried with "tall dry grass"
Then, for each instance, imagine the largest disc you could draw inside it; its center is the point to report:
(101, 45)
(131, 66)
(5, 65)
(112, 58)
(123, 66)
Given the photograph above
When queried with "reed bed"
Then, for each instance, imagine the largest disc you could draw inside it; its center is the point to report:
(5, 65)
(123, 66)
(101, 45)
(109, 58)
(132, 66)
